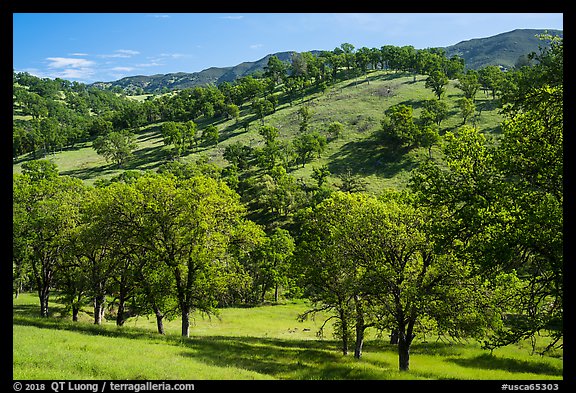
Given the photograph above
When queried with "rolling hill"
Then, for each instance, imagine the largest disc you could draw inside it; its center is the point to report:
(503, 49)
(183, 80)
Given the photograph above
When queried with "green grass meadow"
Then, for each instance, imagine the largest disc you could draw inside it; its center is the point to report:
(264, 342)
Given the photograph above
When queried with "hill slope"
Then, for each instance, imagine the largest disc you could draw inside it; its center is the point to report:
(359, 104)
(502, 49)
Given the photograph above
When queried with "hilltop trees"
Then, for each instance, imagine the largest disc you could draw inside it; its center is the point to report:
(63, 114)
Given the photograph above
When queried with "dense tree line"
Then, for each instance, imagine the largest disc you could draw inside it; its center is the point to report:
(473, 248)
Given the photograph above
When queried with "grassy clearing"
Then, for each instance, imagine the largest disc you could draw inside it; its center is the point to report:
(244, 343)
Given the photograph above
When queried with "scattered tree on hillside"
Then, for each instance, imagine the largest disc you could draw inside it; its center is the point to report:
(433, 112)
(307, 144)
(210, 135)
(180, 135)
(467, 108)
(469, 84)
(437, 80)
(398, 127)
(117, 146)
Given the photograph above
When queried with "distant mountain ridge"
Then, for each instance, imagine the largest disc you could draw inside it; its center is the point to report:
(183, 80)
(502, 49)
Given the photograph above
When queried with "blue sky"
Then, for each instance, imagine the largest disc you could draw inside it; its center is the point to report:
(89, 47)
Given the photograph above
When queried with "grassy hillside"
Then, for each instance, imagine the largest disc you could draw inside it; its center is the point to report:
(359, 104)
(244, 343)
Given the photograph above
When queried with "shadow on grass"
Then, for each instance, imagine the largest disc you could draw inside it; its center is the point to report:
(369, 156)
(142, 159)
(283, 359)
(491, 362)
(147, 158)
(279, 358)
(90, 173)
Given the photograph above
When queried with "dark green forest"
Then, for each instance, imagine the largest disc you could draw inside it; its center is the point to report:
(472, 247)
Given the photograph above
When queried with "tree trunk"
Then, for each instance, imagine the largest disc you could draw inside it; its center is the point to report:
(18, 288)
(75, 311)
(159, 320)
(403, 353)
(360, 327)
(44, 294)
(263, 293)
(394, 337)
(43, 282)
(98, 309)
(344, 323)
(186, 323)
(120, 314)
(276, 293)
(404, 342)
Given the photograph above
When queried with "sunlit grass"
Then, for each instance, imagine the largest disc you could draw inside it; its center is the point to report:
(243, 343)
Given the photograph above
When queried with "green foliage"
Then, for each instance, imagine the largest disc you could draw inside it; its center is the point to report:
(467, 108)
(434, 112)
(351, 246)
(210, 135)
(45, 214)
(503, 214)
(437, 80)
(320, 174)
(181, 135)
(469, 84)
(475, 251)
(307, 144)
(398, 127)
(116, 146)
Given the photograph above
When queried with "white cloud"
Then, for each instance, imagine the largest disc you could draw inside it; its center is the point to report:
(70, 68)
(255, 46)
(78, 54)
(174, 55)
(151, 64)
(62, 62)
(128, 52)
(75, 73)
(122, 53)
